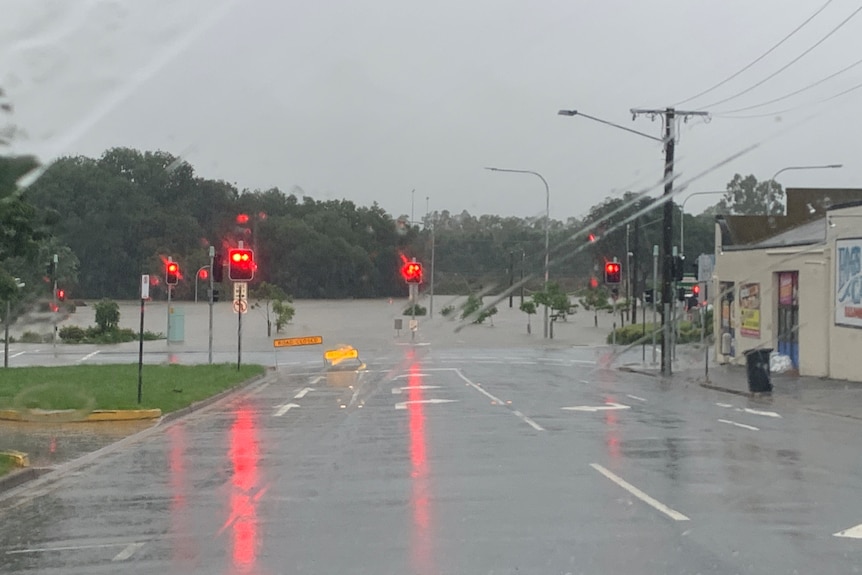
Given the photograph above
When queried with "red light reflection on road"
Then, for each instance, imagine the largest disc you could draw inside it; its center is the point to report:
(421, 546)
(612, 435)
(183, 549)
(244, 457)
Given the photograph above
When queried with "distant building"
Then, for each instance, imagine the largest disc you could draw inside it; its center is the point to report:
(793, 283)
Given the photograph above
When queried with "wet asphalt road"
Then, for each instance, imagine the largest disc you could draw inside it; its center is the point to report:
(455, 461)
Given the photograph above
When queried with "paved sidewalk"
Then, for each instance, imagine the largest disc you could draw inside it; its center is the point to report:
(820, 395)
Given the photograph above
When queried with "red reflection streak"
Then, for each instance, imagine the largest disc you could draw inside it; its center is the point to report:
(421, 546)
(183, 545)
(244, 457)
(612, 437)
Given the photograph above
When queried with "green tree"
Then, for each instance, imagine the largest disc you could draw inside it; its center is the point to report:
(595, 300)
(529, 308)
(555, 298)
(269, 297)
(747, 196)
(107, 315)
(284, 313)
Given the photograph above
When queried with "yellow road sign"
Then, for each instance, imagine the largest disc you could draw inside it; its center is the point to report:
(294, 341)
(340, 354)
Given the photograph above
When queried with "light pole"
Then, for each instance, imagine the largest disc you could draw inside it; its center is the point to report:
(197, 275)
(547, 226)
(682, 217)
(771, 180)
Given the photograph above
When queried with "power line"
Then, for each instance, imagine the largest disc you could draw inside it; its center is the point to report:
(794, 108)
(794, 93)
(789, 64)
(759, 58)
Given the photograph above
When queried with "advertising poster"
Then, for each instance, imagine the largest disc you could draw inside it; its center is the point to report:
(785, 288)
(848, 282)
(749, 310)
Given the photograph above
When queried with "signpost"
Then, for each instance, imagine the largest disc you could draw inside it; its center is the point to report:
(145, 295)
(240, 306)
(296, 341)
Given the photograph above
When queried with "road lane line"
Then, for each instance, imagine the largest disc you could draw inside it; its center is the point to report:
(17, 354)
(656, 504)
(499, 401)
(409, 375)
(399, 390)
(852, 533)
(724, 405)
(302, 392)
(759, 412)
(635, 397)
(88, 356)
(127, 552)
(404, 404)
(742, 425)
(527, 420)
(284, 409)
(64, 548)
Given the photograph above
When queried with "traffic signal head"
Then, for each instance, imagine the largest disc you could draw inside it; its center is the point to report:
(218, 268)
(240, 265)
(61, 294)
(695, 290)
(203, 274)
(613, 273)
(412, 272)
(172, 273)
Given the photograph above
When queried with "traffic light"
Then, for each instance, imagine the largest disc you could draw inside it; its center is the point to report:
(240, 265)
(215, 295)
(203, 274)
(678, 268)
(412, 272)
(61, 294)
(680, 293)
(649, 296)
(613, 273)
(218, 268)
(172, 273)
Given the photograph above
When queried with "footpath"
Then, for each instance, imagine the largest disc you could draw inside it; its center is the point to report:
(819, 395)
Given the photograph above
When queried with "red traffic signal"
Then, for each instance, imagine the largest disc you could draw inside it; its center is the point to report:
(172, 273)
(412, 272)
(61, 294)
(203, 273)
(613, 273)
(695, 289)
(240, 265)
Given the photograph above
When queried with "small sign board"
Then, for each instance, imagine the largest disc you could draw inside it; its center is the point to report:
(240, 291)
(145, 286)
(240, 306)
(295, 341)
(340, 354)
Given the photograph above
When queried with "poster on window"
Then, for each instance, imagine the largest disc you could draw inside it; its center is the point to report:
(749, 310)
(848, 282)
(787, 288)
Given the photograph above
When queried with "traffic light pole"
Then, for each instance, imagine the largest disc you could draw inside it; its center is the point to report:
(239, 339)
(56, 305)
(654, 296)
(212, 270)
(168, 337)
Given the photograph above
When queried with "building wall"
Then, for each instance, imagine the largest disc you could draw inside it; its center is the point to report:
(845, 349)
(761, 267)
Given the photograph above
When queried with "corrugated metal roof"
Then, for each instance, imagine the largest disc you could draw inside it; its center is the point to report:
(812, 232)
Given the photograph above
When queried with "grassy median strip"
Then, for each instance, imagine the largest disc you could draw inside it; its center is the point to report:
(89, 387)
(6, 464)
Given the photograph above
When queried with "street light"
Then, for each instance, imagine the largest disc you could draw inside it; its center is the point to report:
(547, 225)
(824, 167)
(197, 275)
(682, 217)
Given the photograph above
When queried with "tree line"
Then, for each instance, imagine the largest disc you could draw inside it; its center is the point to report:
(111, 219)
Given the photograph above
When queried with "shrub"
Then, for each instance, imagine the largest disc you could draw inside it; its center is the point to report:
(417, 308)
(447, 311)
(31, 337)
(72, 334)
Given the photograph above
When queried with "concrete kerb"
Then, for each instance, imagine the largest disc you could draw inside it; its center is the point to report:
(49, 475)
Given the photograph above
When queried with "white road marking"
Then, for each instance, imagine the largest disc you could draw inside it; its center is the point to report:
(127, 552)
(673, 514)
(499, 401)
(17, 354)
(88, 356)
(610, 406)
(527, 420)
(724, 405)
(65, 548)
(522, 363)
(404, 404)
(398, 390)
(635, 397)
(408, 375)
(742, 425)
(852, 533)
(759, 412)
(316, 380)
(284, 409)
(302, 392)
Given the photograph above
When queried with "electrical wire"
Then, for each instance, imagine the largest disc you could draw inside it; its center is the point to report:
(794, 93)
(759, 58)
(794, 108)
(789, 64)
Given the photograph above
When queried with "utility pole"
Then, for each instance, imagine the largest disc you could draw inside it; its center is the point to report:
(511, 277)
(670, 116)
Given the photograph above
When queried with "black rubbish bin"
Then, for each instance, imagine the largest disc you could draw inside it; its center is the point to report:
(757, 363)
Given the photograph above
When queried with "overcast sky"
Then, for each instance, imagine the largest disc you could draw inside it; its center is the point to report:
(370, 100)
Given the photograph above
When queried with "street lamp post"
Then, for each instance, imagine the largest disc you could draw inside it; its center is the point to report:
(771, 180)
(682, 217)
(547, 226)
(197, 275)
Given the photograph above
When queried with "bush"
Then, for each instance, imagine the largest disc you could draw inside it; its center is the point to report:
(447, 311)
(72, 334)
(417, 308)
(689, 332)
(31, 337)
(107, 315)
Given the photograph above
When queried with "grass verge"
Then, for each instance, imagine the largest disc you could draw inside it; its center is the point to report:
(6, 465)
(89, 387)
